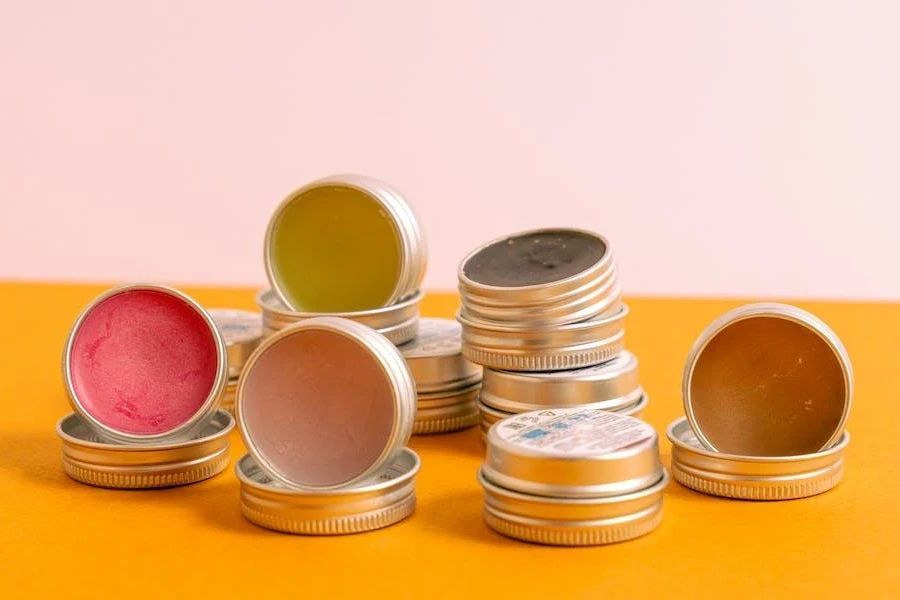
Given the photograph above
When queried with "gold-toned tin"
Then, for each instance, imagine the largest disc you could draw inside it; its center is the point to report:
(444, 412)
(435, 357)
(768, 380)
(398, 322)
(242, 332)
(382, 500)
(228, 397)
(611, 386)
(753, 477)
(396, 376)
(413, 247)
(88, 459)
(560, 348)
(572, 476)
(187, 429)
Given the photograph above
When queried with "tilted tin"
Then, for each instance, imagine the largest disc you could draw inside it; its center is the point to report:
(435, 357)
(753, 477)
(398, 322)
(610, 386)
(413, 247)
(444, 412)
(88, 459)
(383, 499)
(242, 332)
(571, 346)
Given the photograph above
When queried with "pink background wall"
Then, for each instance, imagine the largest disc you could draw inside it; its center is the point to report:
(725, 147)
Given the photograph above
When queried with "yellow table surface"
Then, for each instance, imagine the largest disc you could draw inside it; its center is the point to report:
(61, 537)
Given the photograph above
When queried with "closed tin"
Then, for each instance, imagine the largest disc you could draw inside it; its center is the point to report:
(571, 346)
(88, 459)
(409, 236)
(398, 322)
(393, 373)
(444, 412)
(242, 332)
(435, 357)
(611, 386)
(192, 425)
(383, 499)
(768, 380)
(753, 477)
(572, 476)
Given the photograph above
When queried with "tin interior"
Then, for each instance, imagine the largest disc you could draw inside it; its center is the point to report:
(767, 386)
(534, 258)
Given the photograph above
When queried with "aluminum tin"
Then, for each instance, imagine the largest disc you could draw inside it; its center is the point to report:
(396, 374)
(443, 412)
(572, 453)
(435, 357)
(382, 500)
(187, 429)
(413, 247)
(242, 331)
(611, 386)
(753, 477)
(774, 310)
(572, 521)
(228, 397)
(88, 459)
(398, 323)
(490, 415)
(556, 349)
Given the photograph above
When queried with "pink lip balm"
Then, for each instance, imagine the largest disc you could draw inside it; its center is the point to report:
(145, 363)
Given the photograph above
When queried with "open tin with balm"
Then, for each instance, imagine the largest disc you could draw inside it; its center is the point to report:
(242, 332)
(325, 408)
(767, 391)
(572, 477)
(145, 369)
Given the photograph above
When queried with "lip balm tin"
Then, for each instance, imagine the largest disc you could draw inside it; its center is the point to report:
(572, 477)
(344, 243)
(242, 332)
(446, 383)
(384, 499)
(160, 300)
(399, 322)
(89, 459)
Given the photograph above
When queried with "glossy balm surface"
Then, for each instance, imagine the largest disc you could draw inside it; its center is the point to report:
(143, 362)
(334, 249)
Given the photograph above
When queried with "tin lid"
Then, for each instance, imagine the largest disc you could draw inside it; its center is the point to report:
(325, 403)
(242, 331)
(443, 412)
(753, 477)
(768, 380)
(88, 459)
(141, 337)
(608, 386)
(435, 357)
(344, 243)
(383, 499)
(572, 453)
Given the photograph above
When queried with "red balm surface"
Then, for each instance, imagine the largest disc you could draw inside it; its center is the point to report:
(143, 362)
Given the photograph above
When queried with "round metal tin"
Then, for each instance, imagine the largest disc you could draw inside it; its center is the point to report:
(187, 429)
(396, 375)
(242, 331)
(382, 500)
(560, 348)
(413, 247)
(444, 412)
(768, 380)
(610, 386)
(435, 357)
(753, 477)
(572, 453)
(228, 396)
(88, 459)
(399, 322)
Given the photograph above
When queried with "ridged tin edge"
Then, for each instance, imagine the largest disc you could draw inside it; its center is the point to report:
(769, 491)
(545, 361)
(426, 426)
(84, 473)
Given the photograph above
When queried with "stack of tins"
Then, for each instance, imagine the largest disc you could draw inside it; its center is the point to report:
(542, 311)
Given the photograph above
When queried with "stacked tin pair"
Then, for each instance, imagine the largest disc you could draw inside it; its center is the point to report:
(542, 311)
(767, 390)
